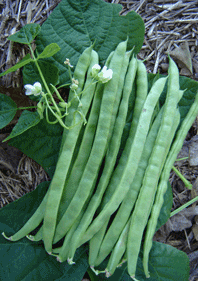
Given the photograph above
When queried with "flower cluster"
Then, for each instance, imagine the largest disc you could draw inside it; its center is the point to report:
(35, 89)
(67, 61)
(74, 85)
(102, 76)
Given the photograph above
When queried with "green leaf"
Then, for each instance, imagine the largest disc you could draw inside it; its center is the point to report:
(26, 34)
(8, 110)
(26, 121)
(27, 59)
(25, 260)
(166, 208)
(41, 143)
(50, 73)
(75, 25)
(49, 51)
(166, 263)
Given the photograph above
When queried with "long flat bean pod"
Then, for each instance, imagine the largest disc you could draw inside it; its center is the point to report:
(63, 164)
(130, 168)
(32, 223)
(147, 193)
(110, 158)
(118, 251)
(162, 187)
(141, 93)
(128, 203)
(72, 181)
(95, 243)
(99, 146)
(152, 173)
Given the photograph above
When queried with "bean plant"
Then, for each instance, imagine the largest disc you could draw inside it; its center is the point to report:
(121, 134)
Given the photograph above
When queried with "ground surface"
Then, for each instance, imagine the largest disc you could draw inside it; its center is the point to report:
(171, 27)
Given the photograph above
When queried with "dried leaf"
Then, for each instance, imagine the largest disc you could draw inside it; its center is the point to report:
(183, 57)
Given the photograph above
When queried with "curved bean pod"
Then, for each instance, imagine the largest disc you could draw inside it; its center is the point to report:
(128, 203)
(152, 173)
(72, 181)
(32, 223)
(99, 145)
(162, 187)
(95, 243)
(63, 164)
(141, 94)
(118, 251)
(131, 164)
(111, 154)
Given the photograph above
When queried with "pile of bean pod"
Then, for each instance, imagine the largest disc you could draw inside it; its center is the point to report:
(108, 189)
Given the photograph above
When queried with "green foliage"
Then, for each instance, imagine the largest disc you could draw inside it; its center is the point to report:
(26, 34)
(27, 59)
(41, 143)
(8, 110)
(49, 51)
(75, 26)
(25, 260)
(50, 72)
(27, 120)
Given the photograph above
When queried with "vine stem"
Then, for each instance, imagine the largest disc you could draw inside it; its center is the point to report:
(185, 181)
(43, 79)
(184, 206)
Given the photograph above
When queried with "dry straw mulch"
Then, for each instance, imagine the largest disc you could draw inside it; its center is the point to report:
(171, 27)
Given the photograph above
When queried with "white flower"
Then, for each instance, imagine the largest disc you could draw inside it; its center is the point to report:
(74, 85)
(95, 69)
(67, 61)
(105, 75)
(35, 90)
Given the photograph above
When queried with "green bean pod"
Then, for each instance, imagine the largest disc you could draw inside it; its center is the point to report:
(128, 203)
(141, 94)
(110, 159)
(123, 183)
(152, 173)
(73, 180)
(118, 251)
(99, 146)
(162, 187)
(95, 243)
(63, 164)
(147, 193)
(32, 223)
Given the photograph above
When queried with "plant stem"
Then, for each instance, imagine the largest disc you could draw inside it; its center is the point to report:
(184, 206)
(185, 181)
(43, 79)
(20, 108)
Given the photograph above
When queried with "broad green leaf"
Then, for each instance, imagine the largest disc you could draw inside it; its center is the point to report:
(50, 73)
(8, 110)
(41, 143)
(166, 263)
(26, 121)
(27, 59)
(76, 24)
(26, 34)
(25, 260)
(49, 51)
